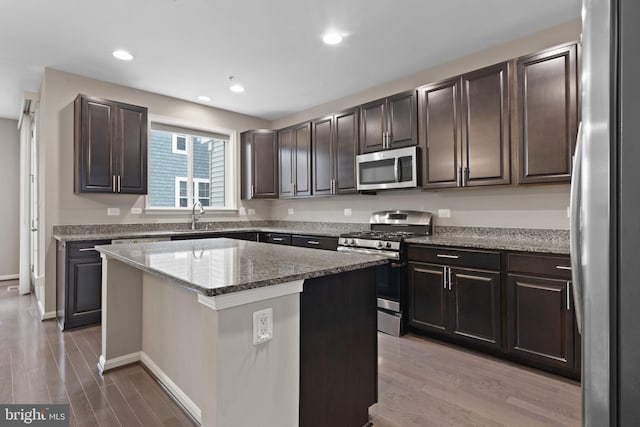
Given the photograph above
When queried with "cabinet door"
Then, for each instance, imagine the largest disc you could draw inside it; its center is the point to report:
(286, 156)
(346, 147)
(475, 306)
(246, 170)
(302, 143)
(94, 138)
(264, 165)
(540, 320)
(372, 126)
(322, 155)
(131, 149)
(402, 119)
(440, 130)
(428, 297)
(84, 288)
(485, 127)
(547, 115)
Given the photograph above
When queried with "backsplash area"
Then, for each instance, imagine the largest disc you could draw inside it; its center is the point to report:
(504, 207)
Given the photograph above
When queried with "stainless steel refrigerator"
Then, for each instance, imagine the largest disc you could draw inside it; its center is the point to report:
(605, 213)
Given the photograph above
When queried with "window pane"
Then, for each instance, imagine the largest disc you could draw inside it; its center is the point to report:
(164, 167)
(218, 172)
(181, 143)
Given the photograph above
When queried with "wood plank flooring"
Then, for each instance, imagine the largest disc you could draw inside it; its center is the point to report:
(424, 383)
(421, 382)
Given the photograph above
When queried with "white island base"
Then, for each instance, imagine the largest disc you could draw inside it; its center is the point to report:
(201, 348)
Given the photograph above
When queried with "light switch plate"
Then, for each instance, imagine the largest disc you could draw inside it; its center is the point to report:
(347, 212)
(113, 211)
(242, 211)
(262, 326)
(444, 213)
(136, 211)
(290, 211)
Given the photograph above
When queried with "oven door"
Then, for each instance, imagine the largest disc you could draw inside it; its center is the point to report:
(387, 169)
(389, 280)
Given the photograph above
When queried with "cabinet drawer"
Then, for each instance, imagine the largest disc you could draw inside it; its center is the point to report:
(489, 260)
(85, 249)
(542, 265)
(316, 242)
(277, 238)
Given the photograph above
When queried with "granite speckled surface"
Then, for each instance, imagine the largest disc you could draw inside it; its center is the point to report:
(219, 266)
(509, 239)
(125, 231)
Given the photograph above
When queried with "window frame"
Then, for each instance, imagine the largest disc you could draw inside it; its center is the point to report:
(232, 166)
(178, 180)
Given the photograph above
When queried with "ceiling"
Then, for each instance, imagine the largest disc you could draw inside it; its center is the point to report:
(187, 48)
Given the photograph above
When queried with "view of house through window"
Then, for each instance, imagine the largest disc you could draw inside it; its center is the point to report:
(186, 166)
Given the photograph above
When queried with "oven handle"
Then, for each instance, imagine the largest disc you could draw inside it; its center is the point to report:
(369, 251)
(396, 174)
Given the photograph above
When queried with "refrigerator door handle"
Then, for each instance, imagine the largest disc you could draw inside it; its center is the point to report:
(575, 230)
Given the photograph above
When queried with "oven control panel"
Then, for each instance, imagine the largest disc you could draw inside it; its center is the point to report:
(368, 243)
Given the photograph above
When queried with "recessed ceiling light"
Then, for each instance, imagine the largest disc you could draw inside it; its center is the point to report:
(123, 55)
(204, 98)
(332, 38)
(237, 88)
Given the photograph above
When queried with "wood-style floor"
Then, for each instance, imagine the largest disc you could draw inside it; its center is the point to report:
(421, 382)
(424, 383)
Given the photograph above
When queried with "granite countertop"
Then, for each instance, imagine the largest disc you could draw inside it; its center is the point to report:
(219, 266)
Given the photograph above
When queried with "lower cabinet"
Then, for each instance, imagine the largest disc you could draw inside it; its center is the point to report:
(315, 242)
(277, 238)
(458, 302)
(540, 313)
(79, 284)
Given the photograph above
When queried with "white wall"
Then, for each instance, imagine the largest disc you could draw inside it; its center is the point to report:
(10, 207)
(529, 207)
(61, 205)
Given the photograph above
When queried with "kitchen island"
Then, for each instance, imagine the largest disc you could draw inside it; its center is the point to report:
(185, 310)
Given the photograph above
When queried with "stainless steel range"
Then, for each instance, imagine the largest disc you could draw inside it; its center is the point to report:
(388, 230)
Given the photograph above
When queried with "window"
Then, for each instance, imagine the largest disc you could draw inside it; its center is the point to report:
(189, 165)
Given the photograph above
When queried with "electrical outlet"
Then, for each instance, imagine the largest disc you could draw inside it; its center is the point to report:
(251, 211)
(262, 326)
(568, 211)
(290, 211)
(444, 213)
(113, 211)
(136, 211)
(347, 212)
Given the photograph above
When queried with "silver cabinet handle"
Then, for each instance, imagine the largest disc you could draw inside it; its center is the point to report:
(444, 276)
(568, 294)
(277, 239)
(447, 256)
(113, 183)
(396, 175)
(449, 278)
(86, 249)
(119, 186)
(563, 267)
(252, 191)
(313, 242)
(459, 177)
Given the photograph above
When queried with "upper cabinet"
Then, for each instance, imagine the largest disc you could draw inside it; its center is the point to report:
(464, 126)
(335, 144)
(259, 164)
(546, 114)
(110, 147)
(389, 123)
(294, 152)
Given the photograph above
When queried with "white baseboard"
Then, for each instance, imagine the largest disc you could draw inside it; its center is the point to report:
(177, 392)
(105, 365)
(9, 277)
(45, 315)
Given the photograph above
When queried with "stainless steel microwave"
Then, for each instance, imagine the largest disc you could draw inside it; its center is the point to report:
(387, 169)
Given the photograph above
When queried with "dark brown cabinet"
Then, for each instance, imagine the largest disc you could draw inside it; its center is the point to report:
(294, 152)
(546, 112)
(456, 301)
(277, 238)
(315, 242)
(110, 147)
(259, 164)
(79, 284)
(389, 123)
(464, 123)
(541, 317)
(335, 145)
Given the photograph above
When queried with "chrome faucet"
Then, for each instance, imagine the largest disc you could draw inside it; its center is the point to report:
(196, 216)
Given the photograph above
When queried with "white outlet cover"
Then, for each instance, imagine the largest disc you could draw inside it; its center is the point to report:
(136, 211)
(262, 326)
(242, 211)
(290, 211)
(347, 212)
(251, 211)
(113, 211)
(568, 211)
(444, 213)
